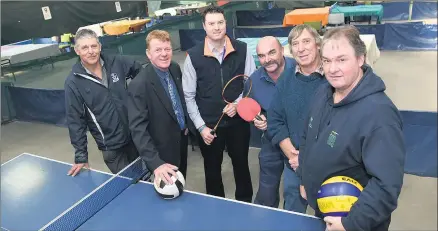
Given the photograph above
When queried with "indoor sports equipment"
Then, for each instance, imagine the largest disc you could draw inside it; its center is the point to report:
(249, 109)
(170, 191)
(37, 194)
(233, 83)
(337, 195)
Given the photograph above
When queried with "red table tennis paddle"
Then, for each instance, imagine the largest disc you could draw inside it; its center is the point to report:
(249, 109)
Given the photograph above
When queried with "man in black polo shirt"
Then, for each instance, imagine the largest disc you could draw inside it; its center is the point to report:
(207, 68)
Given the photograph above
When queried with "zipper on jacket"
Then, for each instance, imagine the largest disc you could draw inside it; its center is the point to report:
(91, 113)
(93, 117)
(222, 78)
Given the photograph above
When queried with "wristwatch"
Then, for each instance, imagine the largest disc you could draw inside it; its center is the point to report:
(201, 128)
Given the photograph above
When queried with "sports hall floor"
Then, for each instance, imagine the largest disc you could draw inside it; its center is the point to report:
(411, 80)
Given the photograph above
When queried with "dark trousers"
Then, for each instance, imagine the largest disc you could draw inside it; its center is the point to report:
(118, 159)
(183, 151)
(271, 162)
(236, 138)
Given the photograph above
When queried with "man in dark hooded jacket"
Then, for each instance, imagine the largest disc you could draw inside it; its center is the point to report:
(353, 129)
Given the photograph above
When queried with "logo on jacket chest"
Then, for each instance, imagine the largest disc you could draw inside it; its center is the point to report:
(115, 77)
(331, 140)
(310, 122)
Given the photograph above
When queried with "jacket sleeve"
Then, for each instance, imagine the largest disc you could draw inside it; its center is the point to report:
(131, 67)
(138, 115)
(277, 126)
(246, 87)
(383, 156)
(190, 124)
(76, 123)
(303, 137)
(189, 84)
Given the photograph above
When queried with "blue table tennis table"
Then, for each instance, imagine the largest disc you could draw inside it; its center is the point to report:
(37, 194)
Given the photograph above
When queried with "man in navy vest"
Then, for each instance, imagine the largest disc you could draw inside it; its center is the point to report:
(207, 68)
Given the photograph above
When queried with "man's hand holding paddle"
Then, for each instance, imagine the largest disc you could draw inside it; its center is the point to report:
(207, 136)
(261, 124)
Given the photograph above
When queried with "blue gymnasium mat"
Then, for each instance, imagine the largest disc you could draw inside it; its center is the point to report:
(420, 130)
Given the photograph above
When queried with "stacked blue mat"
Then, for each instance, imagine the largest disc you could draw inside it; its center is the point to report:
(420, 130)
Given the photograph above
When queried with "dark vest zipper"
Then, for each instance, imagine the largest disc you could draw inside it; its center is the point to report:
(222, 78)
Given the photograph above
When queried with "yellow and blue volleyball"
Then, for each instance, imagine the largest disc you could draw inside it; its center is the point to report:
(337, 195)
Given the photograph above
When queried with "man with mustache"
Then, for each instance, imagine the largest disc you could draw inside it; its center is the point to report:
(157, 112)
(207, 68)
(287, 112)
(95, 98)
(264, 80)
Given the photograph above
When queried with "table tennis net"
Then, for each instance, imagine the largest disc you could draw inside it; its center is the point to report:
(84, 209)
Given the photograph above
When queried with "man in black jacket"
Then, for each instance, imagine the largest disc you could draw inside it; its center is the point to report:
(157, 110)
(95, 99)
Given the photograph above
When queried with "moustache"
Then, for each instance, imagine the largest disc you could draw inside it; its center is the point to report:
(270, 63)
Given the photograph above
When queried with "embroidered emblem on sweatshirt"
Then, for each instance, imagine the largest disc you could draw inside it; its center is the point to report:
(115, 77)
(332, 139)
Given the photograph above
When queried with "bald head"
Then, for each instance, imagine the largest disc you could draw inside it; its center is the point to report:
(269, 41)
(270, 54)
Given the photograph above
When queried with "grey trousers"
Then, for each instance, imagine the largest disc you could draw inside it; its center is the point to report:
(118, 159)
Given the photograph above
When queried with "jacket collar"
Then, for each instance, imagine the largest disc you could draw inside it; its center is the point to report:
(107, 61)
(287, 65)
(102, 63)
(159, 90)
(319, 69)
(208, 48)
(79, 70)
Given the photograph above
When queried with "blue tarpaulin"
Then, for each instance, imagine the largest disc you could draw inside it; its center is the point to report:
(420, 131)
(424, 10)
(261, 32)
(273, 16)
(393, 11)
(7, 109)
(191, 37)
(38, 105)
(410, 36)
(378, 30)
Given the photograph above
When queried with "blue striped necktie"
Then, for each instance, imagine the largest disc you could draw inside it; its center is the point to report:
(175, 105)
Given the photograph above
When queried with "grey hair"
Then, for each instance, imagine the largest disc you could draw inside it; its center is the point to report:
(86, 33)
(351, 33)
(298, 30)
